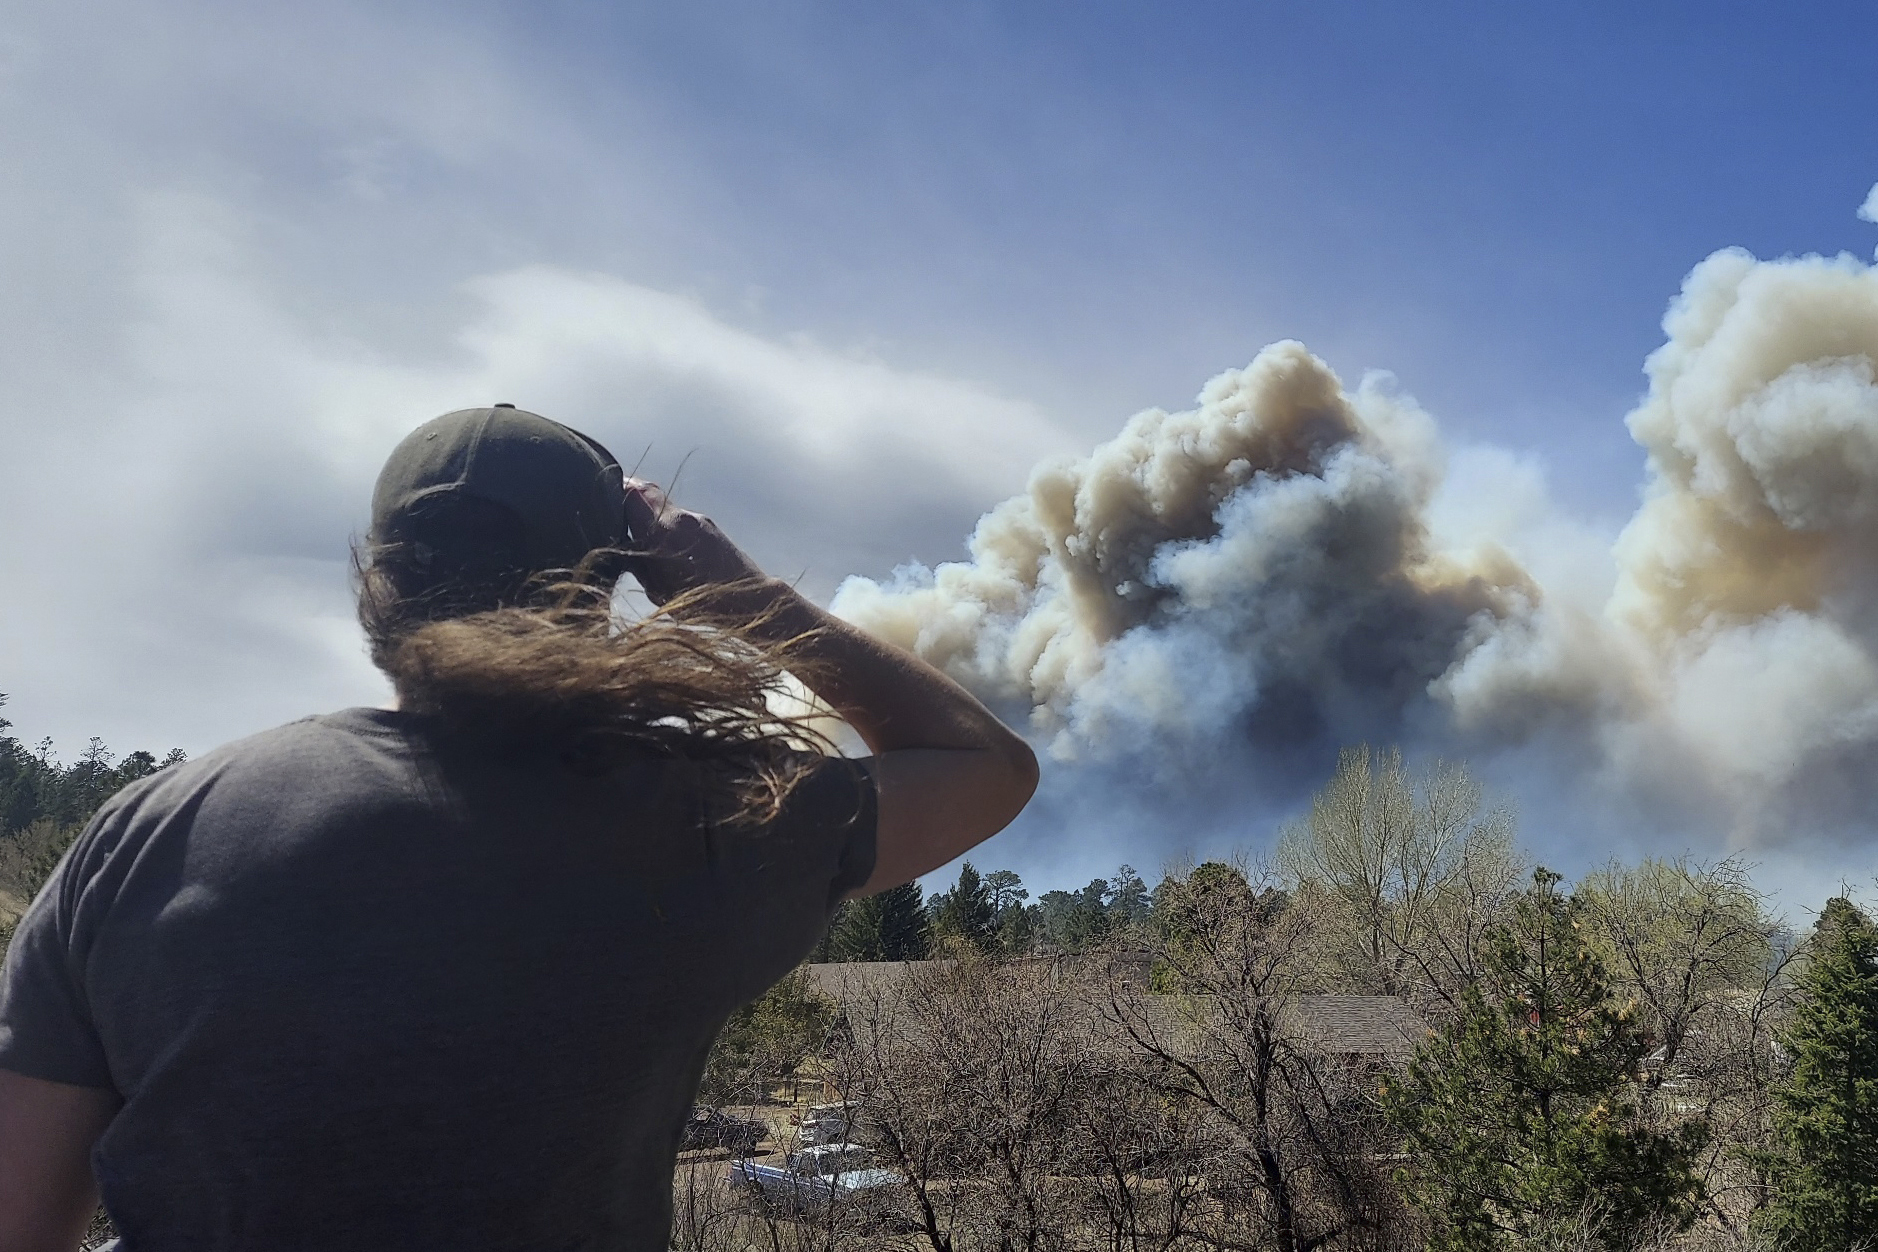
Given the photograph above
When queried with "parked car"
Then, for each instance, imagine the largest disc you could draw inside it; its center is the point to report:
(713, 1128)
(811, 1182)
(834, 1123)
(822, 1123)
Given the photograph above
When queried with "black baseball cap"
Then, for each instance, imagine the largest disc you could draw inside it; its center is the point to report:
(498, 490)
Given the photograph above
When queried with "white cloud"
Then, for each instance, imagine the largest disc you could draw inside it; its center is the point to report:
(181, 575)
(245, 250)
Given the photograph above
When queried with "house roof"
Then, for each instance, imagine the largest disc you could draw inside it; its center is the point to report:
(1345, 1025)
(1355, 1025)
(847, 981)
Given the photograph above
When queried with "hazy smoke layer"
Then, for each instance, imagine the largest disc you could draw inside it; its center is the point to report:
(1258, 572)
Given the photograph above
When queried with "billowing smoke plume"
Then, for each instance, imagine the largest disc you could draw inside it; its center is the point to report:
(1258, 575)
(1256, 566)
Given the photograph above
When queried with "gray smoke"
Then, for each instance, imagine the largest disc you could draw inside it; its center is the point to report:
(1259, 574)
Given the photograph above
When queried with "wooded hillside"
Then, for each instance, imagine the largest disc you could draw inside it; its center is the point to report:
(44, 804)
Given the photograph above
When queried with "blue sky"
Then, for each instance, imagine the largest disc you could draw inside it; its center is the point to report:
(864, 263)
(1107, 203)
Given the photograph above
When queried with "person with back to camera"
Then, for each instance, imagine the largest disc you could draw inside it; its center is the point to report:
(444, 976)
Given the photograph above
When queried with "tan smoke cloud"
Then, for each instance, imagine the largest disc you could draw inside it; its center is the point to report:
(1259, 570)
(1259, 563)
(1750, 569)
(1762, 430)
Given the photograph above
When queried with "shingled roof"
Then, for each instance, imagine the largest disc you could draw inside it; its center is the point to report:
(1359, 1025)
(1343, 1025)
(847, 981)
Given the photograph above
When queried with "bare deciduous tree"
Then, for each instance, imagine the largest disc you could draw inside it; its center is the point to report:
(972, 1073)
(1696, 947)
(1298, 1168)
(1406, 874)
(1166, 1093)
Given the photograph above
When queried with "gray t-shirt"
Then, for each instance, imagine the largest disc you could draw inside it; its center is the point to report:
(358, 992)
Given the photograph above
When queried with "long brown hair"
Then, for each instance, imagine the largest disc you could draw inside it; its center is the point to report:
(548, 661)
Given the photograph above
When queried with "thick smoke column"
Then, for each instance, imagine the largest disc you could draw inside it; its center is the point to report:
(1751, 567)
(1257, 573)
(1733, 667)
(1257, 566)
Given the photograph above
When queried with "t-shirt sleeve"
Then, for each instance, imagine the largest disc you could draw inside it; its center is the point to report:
(832, 815)
(778, 884)
(46, 1028)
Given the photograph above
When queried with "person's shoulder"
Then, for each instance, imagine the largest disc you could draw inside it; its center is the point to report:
(299, 744)
(346, 724)
(251, 775)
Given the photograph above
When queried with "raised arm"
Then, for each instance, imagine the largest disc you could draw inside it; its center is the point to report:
(950, 774)
(47, 1194)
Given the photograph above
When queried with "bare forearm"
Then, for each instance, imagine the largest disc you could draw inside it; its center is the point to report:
(893, 699)
(47, 1130)
(947, 772)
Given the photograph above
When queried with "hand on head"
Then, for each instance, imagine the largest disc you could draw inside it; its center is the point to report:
(676, 550)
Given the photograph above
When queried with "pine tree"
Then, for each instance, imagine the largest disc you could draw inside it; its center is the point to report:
(1127, 902)
(964, 913)
(1825, 1172)
(889, 926)
(1011, 921)
(1006, 890)
(1521, 1115)
(1073, 920)
(1017, 929)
